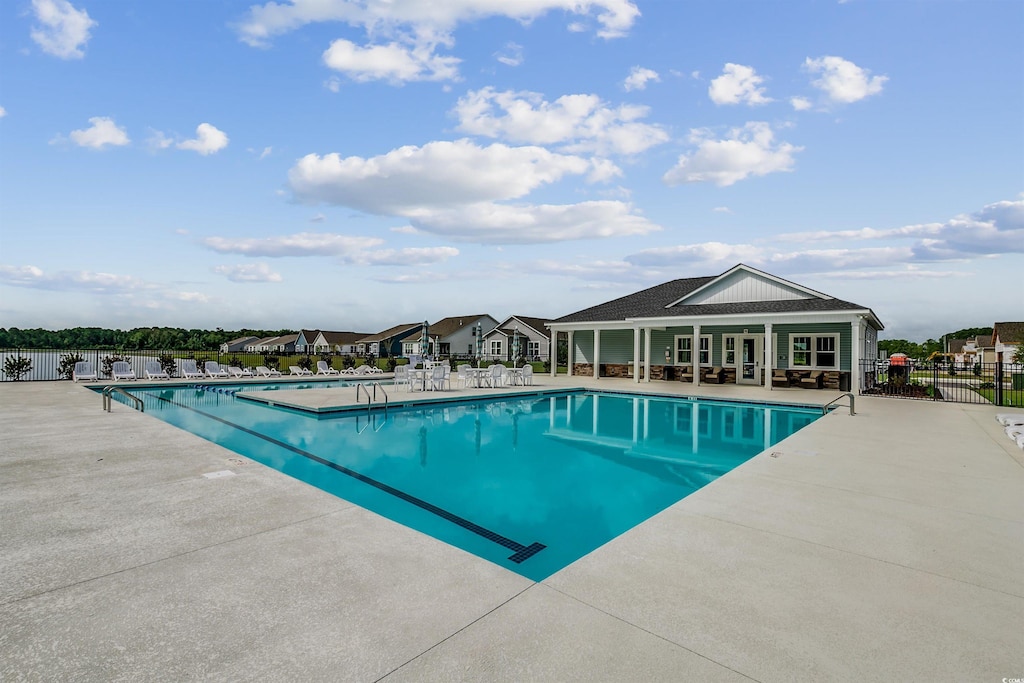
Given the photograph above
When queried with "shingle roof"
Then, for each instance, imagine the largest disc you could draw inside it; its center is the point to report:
(390, 332)
(241, 340)
(955, 345)
(449, 326)
(983, 341)
(537, 324)
(652, 302)
(1009, 333)
(342, 337)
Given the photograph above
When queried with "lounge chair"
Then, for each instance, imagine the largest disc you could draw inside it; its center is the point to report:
(188, 370)
(154, 370)
(813, 380)
(323, 368)
(214, 370)
(714, 375)
(296, 370)
(686, 373)
(239, 372)
(363, 370)
(264, 371)
(1005, 419)
(122, 370)
(83, 371)
(349, 371)
(373, 370)
(780, 378)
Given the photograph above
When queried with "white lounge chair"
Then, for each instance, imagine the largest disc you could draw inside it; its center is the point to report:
(373, 370)
(349, 371)
(83, 371)
(296, 370)
(214, 370)
(188, 369)
(322, 368)
(239, 372)
(1007, 419)
(122, 370)
(154, 370)
(264, 371)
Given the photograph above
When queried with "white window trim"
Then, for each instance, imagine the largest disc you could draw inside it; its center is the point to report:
(495, 342)
(676, 350)
(813, 350)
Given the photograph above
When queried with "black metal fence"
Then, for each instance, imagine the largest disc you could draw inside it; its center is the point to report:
(1000, 384)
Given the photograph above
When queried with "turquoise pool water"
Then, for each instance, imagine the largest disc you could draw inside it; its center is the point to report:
(531, 483)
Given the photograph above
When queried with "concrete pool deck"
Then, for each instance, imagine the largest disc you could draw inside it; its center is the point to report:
(885, 546)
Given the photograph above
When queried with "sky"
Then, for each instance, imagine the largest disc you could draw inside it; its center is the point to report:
(356, 164)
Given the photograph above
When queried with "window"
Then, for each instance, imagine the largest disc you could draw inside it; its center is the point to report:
(684, 349)
(729, 348)
(533, 349)
(495, 347)
(817, 351)
(470, 350)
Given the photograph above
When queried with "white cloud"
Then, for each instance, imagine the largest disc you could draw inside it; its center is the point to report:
(301, 244)
(81, 280)
(638, 77)
(843, 81)
(738, 84)
(490, 223)
(511, 55)
(722, 209)
(208, 140)
(412, 256)
(249, 272)
(750, 150)
(408, 180)
(426, 21)
(157, 140)
(3, 112)
(101, 133)
(63, 30)
(318, 218)
(800, 103)
(392, 62)
(265, 153)
(333, 84)
(581, 123)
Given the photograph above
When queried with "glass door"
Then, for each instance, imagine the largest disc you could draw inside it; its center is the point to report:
(750, 361)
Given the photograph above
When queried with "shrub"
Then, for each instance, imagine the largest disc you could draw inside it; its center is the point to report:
(166, 361)
(15, 367)
(271, 361)
(987, 385)
(347, 361)
(235, 361)
(108, 363)
(305, 362)
(66, 366)
(327, 357)
(977, 369)
(392, 364)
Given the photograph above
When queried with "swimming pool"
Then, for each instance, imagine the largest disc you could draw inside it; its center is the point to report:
(531, 483)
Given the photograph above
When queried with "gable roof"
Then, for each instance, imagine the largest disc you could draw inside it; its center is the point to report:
(956, 345)
(389, 333)
(341, 338)
(308, 335)
(538, 325)
(450, 325)
(983, 341)
(1008, 333)
(669, 300)
(241, 340)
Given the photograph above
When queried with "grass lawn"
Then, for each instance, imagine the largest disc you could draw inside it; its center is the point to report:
(1013, 399)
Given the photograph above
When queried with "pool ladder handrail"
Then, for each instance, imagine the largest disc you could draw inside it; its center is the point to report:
(824, 408)
(369, 402)
(108, 392)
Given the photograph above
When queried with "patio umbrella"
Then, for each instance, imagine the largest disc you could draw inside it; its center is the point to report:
(479, 341)
(425, 340)
(515, 344)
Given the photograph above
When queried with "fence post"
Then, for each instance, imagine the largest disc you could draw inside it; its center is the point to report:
(999, 383)
(935, 381)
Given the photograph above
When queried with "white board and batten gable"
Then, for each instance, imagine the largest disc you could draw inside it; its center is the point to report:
(743, 284)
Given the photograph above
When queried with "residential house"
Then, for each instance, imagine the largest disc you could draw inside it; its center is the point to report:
(337, 342)
(412, 346)
(745, 321)
(258, 345)
(237, 345)
(388, 342)
(305, 341)
(456, 335)
(530, 334)
(1006, 337)
(955, 351)
(282, 344)
(978, 350)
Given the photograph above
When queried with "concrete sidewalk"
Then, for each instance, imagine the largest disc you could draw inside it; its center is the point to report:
(884, 546)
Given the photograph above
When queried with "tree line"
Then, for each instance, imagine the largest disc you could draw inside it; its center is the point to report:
(125, 340)
(929, 346)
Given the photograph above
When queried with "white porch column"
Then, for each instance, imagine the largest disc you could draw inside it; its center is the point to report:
(553, 352)
(695, 355)
(647, 354)
(856, 376)
(568, 370)
(769, 356)
(597, 354)
(636, 355)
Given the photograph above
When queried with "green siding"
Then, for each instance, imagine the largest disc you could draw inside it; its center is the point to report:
(583, 340)
(616, 346)
(842, 329)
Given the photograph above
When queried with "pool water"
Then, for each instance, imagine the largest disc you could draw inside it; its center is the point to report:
(530, 483)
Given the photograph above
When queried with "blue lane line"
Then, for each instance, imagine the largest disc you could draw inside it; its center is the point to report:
(520, 552)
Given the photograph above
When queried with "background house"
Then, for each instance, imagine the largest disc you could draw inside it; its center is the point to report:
(456, 335)
(305, 340)
(1006, 337)
(337, 342)
(281, 344)
(532, 334)
(388, 342)
(237, 345)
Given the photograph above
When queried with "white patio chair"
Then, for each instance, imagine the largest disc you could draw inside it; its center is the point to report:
(439, 377)
(188, 369)
(402, 376)
(214, 370)
(296, 370)
(496, 377)
(239, 372)
(154, 370)
(83, 371)
(122, 370)
(322, 368)
(465, 378)
(264, 371)
(526, 375)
